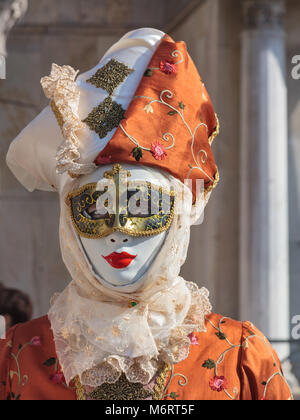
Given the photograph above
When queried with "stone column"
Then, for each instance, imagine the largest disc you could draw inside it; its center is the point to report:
(10, 12)
(264, 275)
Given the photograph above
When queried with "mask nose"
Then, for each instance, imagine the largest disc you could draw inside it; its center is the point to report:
(118, 238)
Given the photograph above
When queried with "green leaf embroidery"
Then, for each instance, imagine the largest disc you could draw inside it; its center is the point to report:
(172, 113)
(181, 105)
(137, 153)
(209, 364)
(174, 396)
(264, 383)
(148, 73)
(221, 336)
(50, 362)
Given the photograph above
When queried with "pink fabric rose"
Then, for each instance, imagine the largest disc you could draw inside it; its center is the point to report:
(194, 339)
(218, 383)
(167, 67)
(158, 150)
(58, 378)
(35, 341)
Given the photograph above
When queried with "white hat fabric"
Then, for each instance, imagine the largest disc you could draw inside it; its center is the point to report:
(42, 150)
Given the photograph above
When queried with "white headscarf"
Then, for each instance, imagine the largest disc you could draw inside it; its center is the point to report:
(98, 336)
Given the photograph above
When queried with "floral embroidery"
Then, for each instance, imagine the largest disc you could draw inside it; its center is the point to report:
(194, 339)
(148, 73)
(167, 67)
(209, 364)
(36, 341)
(199, 159)
(21, 379)
(174, 395)
(137, 153)
(57, 378)
(158, 150)
(182, 381)
(218, 383)
(148, 108)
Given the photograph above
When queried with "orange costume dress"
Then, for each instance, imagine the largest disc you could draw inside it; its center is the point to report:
(231, 361)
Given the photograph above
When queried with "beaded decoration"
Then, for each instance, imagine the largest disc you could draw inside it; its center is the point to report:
(110, 76)
(108, 115)
(105, 117)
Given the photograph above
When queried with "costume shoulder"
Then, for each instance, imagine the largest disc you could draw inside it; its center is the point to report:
(29, 369)
(231, 360)
(259, 367)
(262, 376)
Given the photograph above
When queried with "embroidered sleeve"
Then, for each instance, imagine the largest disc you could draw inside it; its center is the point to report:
(5, 362)
(262, 377)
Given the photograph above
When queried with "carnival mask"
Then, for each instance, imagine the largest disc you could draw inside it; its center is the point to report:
(122, 218)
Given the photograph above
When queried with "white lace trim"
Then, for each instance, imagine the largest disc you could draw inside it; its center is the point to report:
(61, 88)
(104, 358)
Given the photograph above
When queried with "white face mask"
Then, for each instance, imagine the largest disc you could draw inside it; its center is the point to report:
(120, 260)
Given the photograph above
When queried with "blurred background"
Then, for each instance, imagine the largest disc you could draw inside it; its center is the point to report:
(247, 251)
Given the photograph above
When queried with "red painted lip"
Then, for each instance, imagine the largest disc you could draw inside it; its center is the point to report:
(119, 259)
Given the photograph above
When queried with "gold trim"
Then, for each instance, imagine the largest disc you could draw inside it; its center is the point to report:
(57, 113)
(216, 132)
(68, 202)
(216, 181)
(116, 169)
(158, 388)
(161, 382)
(74, 176)
(80, 393)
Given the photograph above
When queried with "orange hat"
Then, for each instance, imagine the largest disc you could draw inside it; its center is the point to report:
(170, 122)
(143, 103)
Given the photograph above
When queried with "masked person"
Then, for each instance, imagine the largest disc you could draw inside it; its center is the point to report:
(128, 326)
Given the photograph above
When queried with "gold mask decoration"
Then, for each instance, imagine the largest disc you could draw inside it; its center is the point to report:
(137, 208)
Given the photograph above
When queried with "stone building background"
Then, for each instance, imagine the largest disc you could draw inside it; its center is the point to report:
(78, 32)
